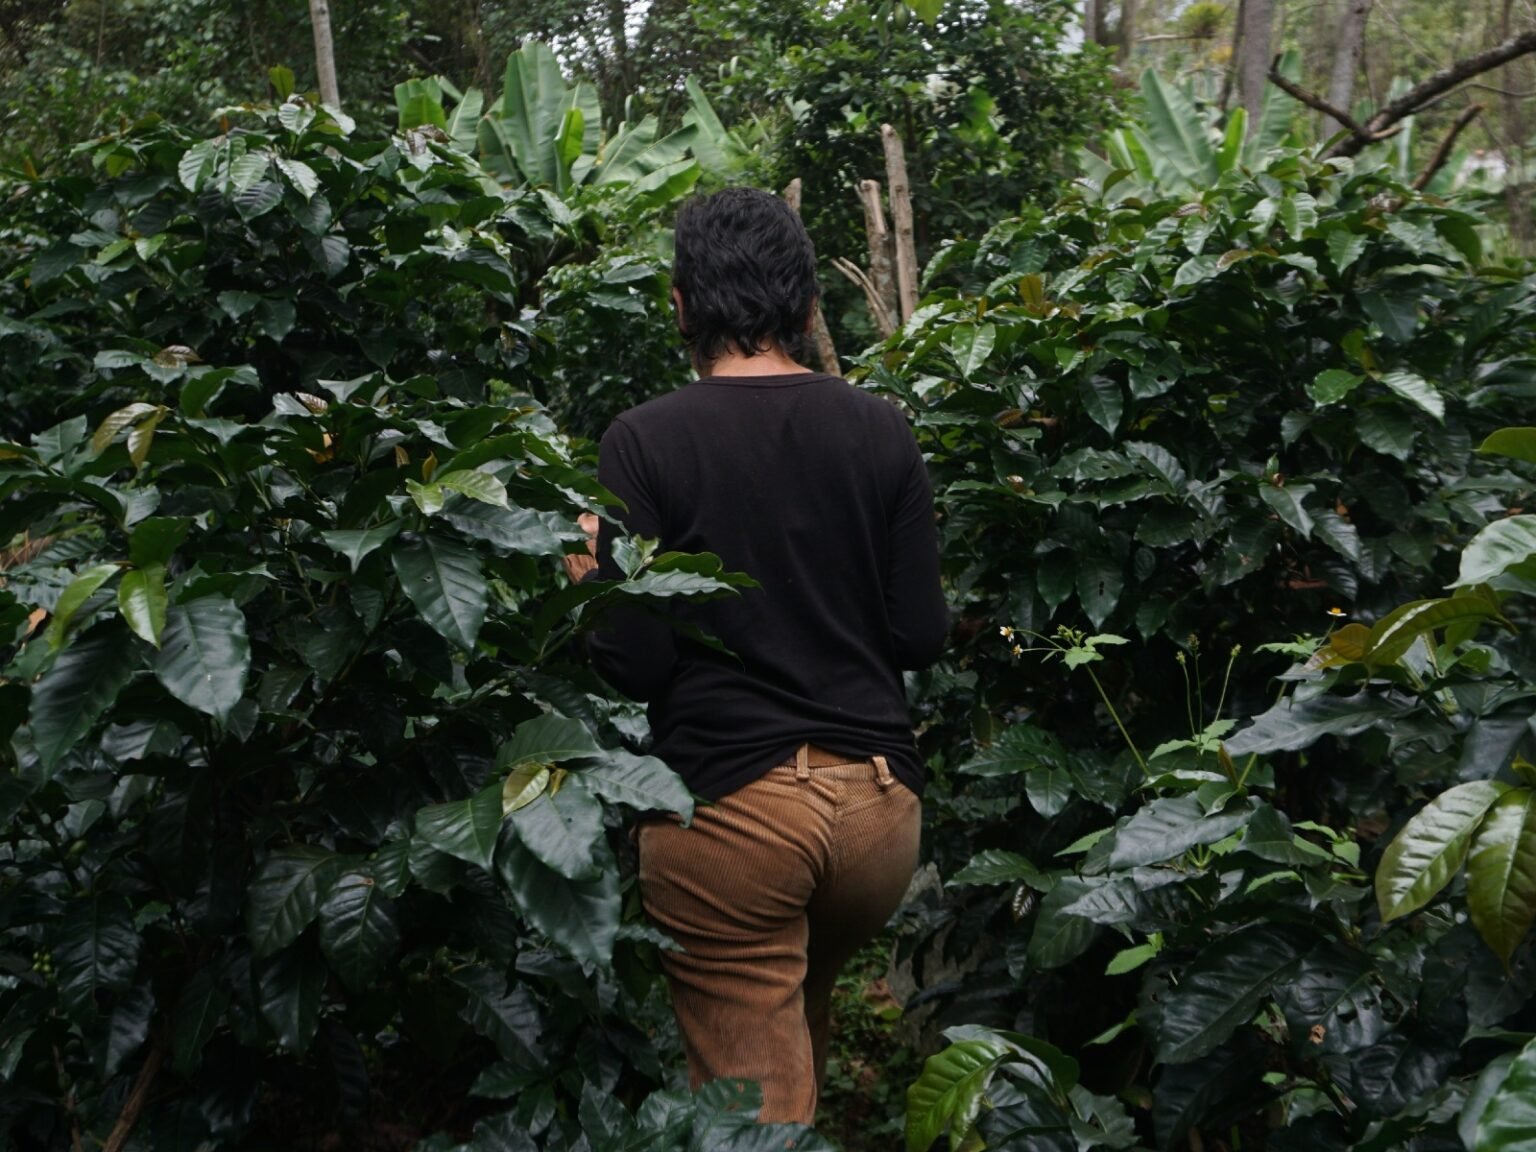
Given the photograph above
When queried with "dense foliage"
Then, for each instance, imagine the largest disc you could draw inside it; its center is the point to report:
(302, 793)
(1166, 434)
(314, 817)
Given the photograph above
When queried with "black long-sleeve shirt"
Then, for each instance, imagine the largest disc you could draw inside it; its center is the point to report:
(818, 491)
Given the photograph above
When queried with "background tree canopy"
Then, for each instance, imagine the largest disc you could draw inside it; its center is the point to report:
(1218, 343)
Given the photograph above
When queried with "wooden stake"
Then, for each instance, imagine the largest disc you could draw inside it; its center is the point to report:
(884, 303)
(826, 351)
(901, 217)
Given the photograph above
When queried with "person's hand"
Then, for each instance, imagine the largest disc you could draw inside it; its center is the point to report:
(578, 564)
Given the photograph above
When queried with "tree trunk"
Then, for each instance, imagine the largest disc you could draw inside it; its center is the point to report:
(1252, 56)
(325, 53)
(1516, 195)
(1096, 21)
(901, 218)
(1126, 36)
(1349, 44)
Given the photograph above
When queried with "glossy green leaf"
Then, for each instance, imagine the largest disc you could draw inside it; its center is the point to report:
(973, 346)
(579, 916)
(1505, 546)
(1169, 827)
(1417, 391)
(359, 929)
(1332, 385)
(481, 486)
(1021, 748)
(82, 684)
(1285, 502)
(1049, 790)
(947, 1095)
(1430, 848)
(1333, 1002)
(1345, 246)
(1298, 213)
(1103, 401)
(1220, 991)
(205, 654)
(141, 598)
(562, 828)
(1508, 1121)
(155, 539)
(642, 782)
(523, 786)
(357, 544)
(1294, 724)
(466, 829)
(300, 176)
(1517, 443)
(1501, 872)
(96, 950)
(78, 591)
(1100, 582)
(444, 580)
(997, 866)
(547, 739)
(507, 1016)
(289, 987)
(1060, 937)
(284, 895)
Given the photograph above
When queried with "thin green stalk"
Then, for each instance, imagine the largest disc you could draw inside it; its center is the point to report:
(1189, 696)
(1226, 680)
(1129, 743)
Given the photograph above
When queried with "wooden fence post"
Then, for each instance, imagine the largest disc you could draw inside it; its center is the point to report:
(901, 217)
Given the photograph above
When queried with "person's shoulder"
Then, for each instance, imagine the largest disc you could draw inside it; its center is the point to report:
(658, 409)
(873, 406)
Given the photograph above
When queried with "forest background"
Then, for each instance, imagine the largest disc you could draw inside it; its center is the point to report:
(1217, 324)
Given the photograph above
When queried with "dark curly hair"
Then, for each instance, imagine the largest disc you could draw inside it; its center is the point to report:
(746, 270)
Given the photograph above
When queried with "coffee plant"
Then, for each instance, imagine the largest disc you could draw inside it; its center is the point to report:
(313, 817)
(1174, 438)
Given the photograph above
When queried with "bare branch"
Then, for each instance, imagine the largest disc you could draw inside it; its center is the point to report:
(1442, 153)
(1426, 91)
(137, 1096)
(883, 322)
(1313, 100)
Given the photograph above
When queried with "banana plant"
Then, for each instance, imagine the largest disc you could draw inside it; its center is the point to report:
(543, 132)
(1174, 149)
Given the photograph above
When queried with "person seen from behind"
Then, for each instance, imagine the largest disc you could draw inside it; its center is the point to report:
(799, 738)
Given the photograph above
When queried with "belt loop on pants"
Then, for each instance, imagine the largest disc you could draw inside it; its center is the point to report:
(803, 762)
(883, 775)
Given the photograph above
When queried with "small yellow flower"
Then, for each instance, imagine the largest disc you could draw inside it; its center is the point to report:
(1005, 632)
(1337, 613)
(1017, 650)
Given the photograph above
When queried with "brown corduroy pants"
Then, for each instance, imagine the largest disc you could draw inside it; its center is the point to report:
(769, 892)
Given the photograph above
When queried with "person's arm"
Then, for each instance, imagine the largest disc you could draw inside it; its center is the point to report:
(914, 598)
(633, 651)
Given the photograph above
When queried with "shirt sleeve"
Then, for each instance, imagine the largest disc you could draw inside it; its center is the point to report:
(914, 597)
(634, 651)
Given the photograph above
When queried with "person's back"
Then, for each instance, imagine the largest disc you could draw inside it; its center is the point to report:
(818, 492)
